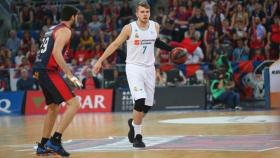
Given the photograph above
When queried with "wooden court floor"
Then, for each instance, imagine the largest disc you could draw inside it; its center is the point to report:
(184, 134)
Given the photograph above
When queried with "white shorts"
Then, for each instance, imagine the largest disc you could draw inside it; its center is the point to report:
(141, 81)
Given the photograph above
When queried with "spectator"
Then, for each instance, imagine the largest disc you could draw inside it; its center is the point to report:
(125, 14)
(88, 12)
(13, 43)
(18, 58)
(208, 7)
(257, 34)
(258, 12)
(240, 53)
(273, 40)
(26, 18)
(168, 25)
(181, 23)
(3, 85)
(90, 81)
(199, 20)
(95, 25)
(209, 38)
(240, 16)
(31, 55)
(81, 54)
(25, 82)
(26, 42)
(86, 41)
(275, 9)
(217, 18)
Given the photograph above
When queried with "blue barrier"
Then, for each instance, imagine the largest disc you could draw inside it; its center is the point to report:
(11, 103)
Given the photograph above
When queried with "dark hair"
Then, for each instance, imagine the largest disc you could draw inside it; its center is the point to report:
(143, 4)
(67, 12)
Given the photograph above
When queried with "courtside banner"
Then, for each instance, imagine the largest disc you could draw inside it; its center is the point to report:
(11, 103)
(91, 101)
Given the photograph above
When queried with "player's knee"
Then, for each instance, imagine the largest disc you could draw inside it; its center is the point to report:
(146, 109)
(53, 108)
(139, 103)
(74, 103)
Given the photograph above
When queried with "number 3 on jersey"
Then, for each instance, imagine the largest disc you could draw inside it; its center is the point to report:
(44, 45)
(145, 47)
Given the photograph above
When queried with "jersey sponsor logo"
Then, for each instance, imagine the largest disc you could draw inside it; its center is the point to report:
(137, 42)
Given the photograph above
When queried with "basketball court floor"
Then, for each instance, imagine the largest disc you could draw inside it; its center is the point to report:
(184, 134)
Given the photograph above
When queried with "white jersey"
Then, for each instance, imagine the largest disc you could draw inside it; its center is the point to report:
(140, 45)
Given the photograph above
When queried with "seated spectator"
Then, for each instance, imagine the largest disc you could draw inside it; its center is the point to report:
(81, 55)
(18, 58)
(90, 81)
(13, 43)
(125, 14)
(25, 82)
(258, 55)
(222, 91)
(31, 55)
(241, 52)
(86, 41)
(94, 25)
(26, 18)
(3, 85)
(26, 42)
(88, 12)
(24, 64)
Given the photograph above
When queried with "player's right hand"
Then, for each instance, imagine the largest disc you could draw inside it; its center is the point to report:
(76, 82)
(97, 67)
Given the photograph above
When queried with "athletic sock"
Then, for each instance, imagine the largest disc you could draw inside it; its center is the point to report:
(137, 129)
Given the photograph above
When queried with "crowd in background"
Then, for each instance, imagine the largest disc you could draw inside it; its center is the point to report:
(240, 30)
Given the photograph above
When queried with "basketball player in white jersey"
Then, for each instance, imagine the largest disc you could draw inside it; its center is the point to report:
(142, 38)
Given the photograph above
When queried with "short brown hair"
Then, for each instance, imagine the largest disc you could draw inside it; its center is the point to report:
(143, 4)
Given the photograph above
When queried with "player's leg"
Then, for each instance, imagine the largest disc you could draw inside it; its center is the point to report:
(135, 77)
(62, 92)
(142, 108)
(51, 116)
(72, 109)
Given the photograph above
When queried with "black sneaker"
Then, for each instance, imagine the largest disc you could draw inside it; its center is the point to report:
(130, 134)
(42, 150)
(57, 148)
(138, 143)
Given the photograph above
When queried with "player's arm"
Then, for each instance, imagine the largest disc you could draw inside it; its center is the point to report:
(123, 36)
(62, 36)
(160, 44)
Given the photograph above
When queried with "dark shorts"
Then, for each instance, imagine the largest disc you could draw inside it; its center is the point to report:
(55, 88)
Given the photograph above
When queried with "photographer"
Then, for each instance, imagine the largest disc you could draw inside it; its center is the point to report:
(222, 91)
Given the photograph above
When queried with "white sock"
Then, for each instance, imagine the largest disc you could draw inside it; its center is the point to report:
(137, 128)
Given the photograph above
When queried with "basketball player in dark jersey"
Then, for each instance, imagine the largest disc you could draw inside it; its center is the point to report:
(46, 71)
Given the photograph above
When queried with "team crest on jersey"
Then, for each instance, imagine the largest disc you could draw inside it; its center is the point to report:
(136, 35)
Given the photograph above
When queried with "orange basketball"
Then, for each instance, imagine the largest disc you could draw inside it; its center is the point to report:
(178, 55)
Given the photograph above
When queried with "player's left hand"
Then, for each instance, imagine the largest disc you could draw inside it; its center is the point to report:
(76, 82)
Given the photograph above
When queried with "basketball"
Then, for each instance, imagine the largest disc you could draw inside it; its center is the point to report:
(178, 55)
